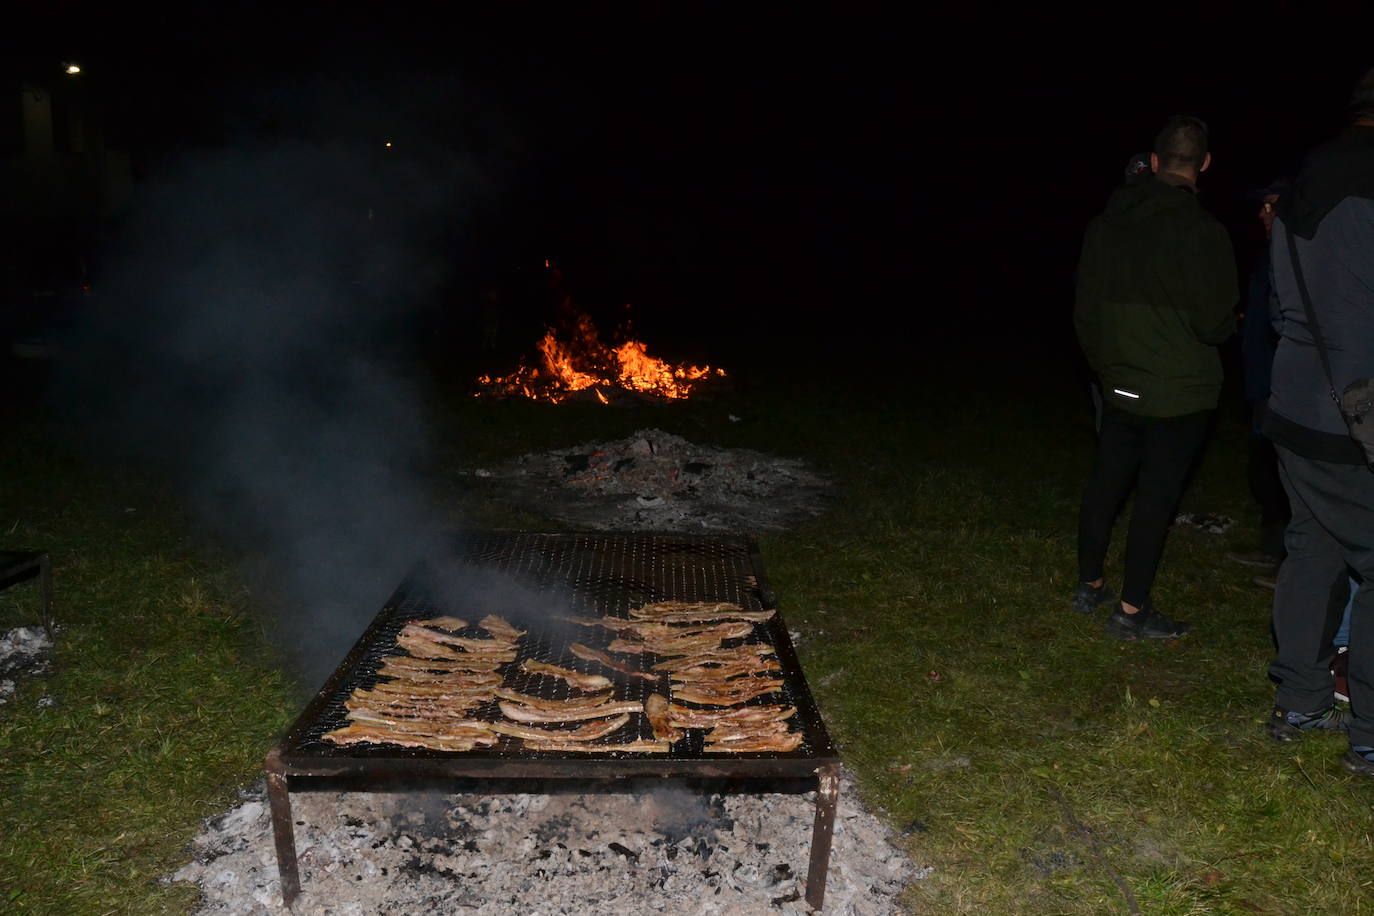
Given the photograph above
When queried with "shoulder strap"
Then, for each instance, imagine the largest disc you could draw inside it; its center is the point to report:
(1311, 315)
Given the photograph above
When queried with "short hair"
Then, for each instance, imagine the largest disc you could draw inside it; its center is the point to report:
(1181, 144)
(1362, 99)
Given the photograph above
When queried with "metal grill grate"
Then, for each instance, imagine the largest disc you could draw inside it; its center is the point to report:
(565, 575)
(531, 579)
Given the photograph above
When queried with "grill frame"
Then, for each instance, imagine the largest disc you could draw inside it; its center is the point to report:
(550, 563)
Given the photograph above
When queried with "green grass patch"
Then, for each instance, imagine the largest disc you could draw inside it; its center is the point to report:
(1036, 765)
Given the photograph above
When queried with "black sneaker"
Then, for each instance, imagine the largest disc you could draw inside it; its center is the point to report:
(1146, 623)
(1359, 760)
(1088, 599)
(1286, 725)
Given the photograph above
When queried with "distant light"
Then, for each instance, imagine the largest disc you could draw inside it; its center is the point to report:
(73, 69)
(388, 144)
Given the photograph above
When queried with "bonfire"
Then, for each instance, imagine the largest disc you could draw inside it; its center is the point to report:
(578, 361)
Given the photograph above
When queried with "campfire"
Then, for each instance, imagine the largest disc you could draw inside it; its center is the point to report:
(577, 361)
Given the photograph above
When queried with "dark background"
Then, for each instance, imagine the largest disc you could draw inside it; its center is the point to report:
(800, 197)
(842, 184)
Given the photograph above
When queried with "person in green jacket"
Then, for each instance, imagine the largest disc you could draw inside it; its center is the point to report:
(1156, 294)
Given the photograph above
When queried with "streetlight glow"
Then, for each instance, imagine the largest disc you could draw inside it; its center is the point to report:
(72, 69)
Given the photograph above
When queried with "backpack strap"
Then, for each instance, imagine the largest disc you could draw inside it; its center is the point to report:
(1311, 315)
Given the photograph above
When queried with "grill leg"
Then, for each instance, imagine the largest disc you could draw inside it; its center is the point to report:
(45, 586)
(827, 794)
(279, 798)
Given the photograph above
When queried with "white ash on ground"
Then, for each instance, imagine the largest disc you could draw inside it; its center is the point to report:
(657, 849)
(657, 481)
(24, 652)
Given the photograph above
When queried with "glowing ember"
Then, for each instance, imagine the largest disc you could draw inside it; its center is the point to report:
(582, 361)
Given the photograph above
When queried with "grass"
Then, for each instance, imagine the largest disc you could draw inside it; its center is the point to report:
(1036, 766)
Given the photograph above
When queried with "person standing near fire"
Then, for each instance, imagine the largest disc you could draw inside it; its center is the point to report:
(1156, 294)
(1322, 250)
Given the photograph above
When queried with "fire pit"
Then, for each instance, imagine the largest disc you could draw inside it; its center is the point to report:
(574, 364)
(586, 574)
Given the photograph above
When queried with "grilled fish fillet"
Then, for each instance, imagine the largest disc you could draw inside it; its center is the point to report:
(686, 642)
(688, 717)
(575, 678)
(416, 707)
(450, 678)
(582, 702)
(458, 665)
(726, 693)
(530, 714)
(444, 623)
(724, 672)
(656, 711)
(593, 655)
(640, 746)
(746, 652)
(739, 731)
(775, 743)
(433, 689)
(589, 732)
(495, 646)
(685, 611)
(357, 734)
(389, 716)
(500, 628)
(428, 648)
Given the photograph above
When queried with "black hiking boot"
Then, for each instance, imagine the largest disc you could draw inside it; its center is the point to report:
(1147, 623)
(1286, 725)
(1088, 599)
(1359, 760)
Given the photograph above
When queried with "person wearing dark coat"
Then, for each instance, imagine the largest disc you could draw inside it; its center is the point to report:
(1324, 234)
(1156, 295)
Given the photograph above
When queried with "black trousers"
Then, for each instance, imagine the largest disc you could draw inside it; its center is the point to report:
(1331, 532)
(1152, 456)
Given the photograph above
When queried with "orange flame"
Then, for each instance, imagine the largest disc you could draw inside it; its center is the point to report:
(583, 361)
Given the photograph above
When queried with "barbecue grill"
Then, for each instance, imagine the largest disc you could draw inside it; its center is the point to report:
(589, 574)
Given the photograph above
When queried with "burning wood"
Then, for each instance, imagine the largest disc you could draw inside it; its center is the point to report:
(583, 363)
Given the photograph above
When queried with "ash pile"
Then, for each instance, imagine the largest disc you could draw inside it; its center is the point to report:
(24, 652)
(656, 481)
(658, 850)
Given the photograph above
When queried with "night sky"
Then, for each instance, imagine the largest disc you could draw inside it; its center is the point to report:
(843, 179)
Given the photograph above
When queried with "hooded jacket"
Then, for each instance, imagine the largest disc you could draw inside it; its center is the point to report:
(1331, 214)
(1156, 293)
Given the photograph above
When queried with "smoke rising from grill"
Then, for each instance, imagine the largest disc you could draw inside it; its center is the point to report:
(256, 343)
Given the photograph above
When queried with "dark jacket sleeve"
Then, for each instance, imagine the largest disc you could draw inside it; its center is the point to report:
(1087, 310)
(1213, 315)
